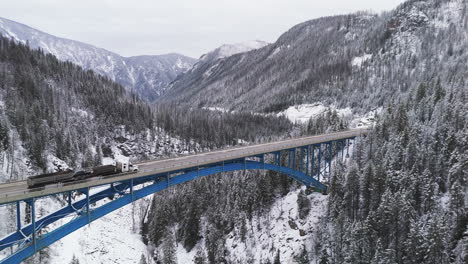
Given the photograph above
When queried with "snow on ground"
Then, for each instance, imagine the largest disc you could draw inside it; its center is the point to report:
(183, 256)
(357, 61)
(280, 229)
(82, 113)
(228, 50)
(231, 49)
(218, 109)
(302, 113)
(55, 164)
(367, 120)
(110, 239)
(451, 12)
(113, 238)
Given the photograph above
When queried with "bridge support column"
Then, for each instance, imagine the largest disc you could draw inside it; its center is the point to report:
(87, 205)
(262, 159)
(131, 189)
(354, 148)
(331, 158)
(294, 159)
(312, 161)
(307, 160)
(278, 157)
(347, 147)
(301, 159)
(69, 198)
(319, 161)
(342, 149)
(18, 215)
(330, 150)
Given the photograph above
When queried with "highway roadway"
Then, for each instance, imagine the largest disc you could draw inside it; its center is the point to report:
(15, 191)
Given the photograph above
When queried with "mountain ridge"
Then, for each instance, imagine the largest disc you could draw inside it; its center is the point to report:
(146, 81)
(354, 61)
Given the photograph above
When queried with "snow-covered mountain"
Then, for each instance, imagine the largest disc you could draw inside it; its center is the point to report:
(227, 50)
(335, 60)
(210, 60)
(146, 75)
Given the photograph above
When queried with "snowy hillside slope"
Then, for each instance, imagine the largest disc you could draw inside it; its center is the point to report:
(354, 61)
(279, 228)
(146, 75)
(114, 238)
(227, 50)
(306, 112)
(208, 63)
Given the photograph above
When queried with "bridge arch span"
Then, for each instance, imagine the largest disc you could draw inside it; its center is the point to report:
(126, 194)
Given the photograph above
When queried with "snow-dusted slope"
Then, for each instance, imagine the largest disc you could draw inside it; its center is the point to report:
(227, 50)
(207, 64)
(146, 75)
(278, 229)
(355, 61)
(114, 238)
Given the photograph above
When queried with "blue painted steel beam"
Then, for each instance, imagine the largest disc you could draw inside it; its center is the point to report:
(301, 159)
(18, 215)
(294, 159)
(319, 161)
(347, 147)
(329, 156)
(33, 221)
(343, 149)
(313, 158)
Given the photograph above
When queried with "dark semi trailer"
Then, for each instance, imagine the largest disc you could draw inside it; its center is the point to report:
(70, 175)
(48, 178)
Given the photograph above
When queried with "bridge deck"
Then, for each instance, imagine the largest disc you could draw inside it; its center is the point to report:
(10, 192)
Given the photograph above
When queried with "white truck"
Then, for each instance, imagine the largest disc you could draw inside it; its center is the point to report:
(126, 167)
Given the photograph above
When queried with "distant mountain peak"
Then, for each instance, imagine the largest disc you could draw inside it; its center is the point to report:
(227, 50)
(146, 75)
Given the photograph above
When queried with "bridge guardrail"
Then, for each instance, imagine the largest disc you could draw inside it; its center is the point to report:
(366, 129)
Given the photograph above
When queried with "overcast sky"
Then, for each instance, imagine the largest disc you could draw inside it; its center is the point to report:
(190, 27)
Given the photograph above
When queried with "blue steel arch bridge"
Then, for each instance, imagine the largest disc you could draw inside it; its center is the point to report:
(306, 159)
